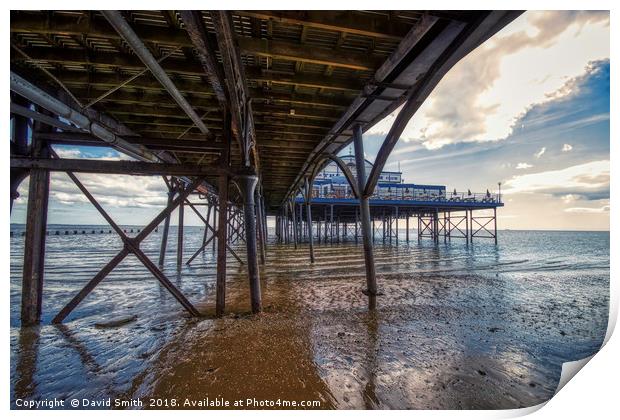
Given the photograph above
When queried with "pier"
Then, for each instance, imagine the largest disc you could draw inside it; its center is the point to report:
(242, 114)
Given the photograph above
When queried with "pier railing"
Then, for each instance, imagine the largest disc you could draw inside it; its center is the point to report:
(451, 197)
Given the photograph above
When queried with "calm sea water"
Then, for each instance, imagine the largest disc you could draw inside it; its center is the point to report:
(458, 326)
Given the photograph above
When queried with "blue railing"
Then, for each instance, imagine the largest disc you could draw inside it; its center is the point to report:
(451, 197)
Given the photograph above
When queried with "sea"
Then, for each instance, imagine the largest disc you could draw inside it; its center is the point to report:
(457, 325)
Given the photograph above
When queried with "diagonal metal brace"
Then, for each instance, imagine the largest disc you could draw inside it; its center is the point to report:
(131, 245)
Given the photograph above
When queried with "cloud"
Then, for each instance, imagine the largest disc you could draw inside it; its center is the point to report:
(588, 180)
(567, 147)
(541, 152)
(588, 210)
(69, 153)
(110, 190)
(523, 165)
(534, 60)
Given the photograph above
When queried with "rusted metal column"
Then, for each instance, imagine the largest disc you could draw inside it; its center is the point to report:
(495, 223)
(180, 237)
(34, 246)
(222, 239)
(164, 234)
(204, 235)
(294, 221)
(356, 223)
(373, 230)
(20, 147)
(331, 223)
(371, 280)
(325, 226)
(247, 184)
(287, 226)
(397, 218)
(471, 226)
(419, 227)
(383, 224)
(407, 227)
(215, 216)
(301, 223)
(261, 203)
(309, 217)
(466, 227)
(261, 231)
(222, 221)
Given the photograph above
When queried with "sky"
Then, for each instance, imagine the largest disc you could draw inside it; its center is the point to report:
(529, 108)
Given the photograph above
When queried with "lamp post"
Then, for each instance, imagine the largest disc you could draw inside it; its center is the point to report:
(499, 198)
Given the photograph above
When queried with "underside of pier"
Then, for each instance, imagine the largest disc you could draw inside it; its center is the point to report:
(237, 111)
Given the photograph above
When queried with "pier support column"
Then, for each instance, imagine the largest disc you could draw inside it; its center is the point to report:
(294, 224)
(222, 229)
(164, 234)
(20, 137)
(369, 259)
(407, 227)
(180, 236)
(331, 223)
(495, 224)
(466, 227)
(247, 184)
(261, 231)
(308, 194)
(396, 228)
(204, 235)
(34, 247)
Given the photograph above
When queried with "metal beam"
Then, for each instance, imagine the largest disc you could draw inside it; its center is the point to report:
(127, 33)
(260, 47)
(194, 25)
(176, 66)
(122, 167)
(346, 21)
(153, 143)
(29, 91)
(46, 119)
(239, 99)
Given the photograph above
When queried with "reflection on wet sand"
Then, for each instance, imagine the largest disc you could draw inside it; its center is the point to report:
(455, 328)
(265, 357)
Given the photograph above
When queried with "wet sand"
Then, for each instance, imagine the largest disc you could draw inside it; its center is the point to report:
(457, 327)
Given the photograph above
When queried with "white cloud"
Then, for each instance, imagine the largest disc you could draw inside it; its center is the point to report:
(588, 210)
(541, 152)
(567, 147)
(110, 190)
(523, 165)
(533, 60)
(589, 179)
(69, 153)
